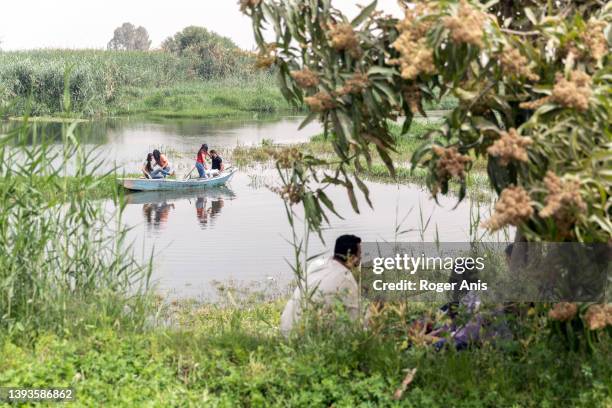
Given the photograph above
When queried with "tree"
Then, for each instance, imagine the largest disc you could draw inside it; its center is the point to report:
(129, 38)
(212, 55)
(532, 90)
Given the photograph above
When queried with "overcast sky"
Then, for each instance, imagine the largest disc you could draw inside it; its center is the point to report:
(29, 24)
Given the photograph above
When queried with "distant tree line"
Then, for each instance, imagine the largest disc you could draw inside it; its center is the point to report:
(209, 54)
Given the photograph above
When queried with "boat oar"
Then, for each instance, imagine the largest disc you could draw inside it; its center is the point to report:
(189, 174)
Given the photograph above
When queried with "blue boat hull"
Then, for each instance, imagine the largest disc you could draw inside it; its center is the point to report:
(138, 184)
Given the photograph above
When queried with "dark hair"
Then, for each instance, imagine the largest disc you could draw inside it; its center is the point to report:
(148, 166)
(213, 151)
(157, 155)
(346, 245)
(204, 147)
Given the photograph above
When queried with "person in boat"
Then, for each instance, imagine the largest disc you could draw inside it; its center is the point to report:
(147, 167)
(201, 160)
(217, 165)
(162, 162)
(330, 280)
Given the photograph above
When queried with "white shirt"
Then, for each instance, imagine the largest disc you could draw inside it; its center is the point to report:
(330, 280)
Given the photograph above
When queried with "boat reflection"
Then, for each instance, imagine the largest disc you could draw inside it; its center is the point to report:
(158, 205)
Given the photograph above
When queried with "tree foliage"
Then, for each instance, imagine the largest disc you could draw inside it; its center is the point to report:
(211, 54)
(533, 83)
(128, 37)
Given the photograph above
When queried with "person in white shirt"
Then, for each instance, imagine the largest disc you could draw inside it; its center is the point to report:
(328, 281)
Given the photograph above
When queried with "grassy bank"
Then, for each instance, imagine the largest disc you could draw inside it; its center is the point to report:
(204, 99)
(220, 356)
(100, 83)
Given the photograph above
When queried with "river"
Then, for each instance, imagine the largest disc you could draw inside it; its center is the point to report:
(239, 233)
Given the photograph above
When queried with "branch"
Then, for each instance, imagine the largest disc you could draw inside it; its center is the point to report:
(523, 33)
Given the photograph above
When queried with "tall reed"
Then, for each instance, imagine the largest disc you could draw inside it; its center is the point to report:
(65, 264)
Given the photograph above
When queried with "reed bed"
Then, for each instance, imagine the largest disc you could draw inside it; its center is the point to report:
(65, 264)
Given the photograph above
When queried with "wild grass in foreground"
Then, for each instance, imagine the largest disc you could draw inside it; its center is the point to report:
(65, 264)
(234, 356)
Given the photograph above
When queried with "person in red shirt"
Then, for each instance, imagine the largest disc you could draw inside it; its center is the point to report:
(201, 160)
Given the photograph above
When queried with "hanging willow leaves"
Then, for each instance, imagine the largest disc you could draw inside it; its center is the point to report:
(539, 73)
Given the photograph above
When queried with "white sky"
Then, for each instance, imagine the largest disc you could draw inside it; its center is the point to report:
(30, 24)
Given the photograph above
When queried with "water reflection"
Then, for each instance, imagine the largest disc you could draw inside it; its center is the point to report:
(157, 206)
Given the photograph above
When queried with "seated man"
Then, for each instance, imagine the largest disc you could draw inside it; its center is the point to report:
(328, 281)
(217, 163)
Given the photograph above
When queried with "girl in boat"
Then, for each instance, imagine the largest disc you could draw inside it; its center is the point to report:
(147, 167)
(201, 160)
(164, 169)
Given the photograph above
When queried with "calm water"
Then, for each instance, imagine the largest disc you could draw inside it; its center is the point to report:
(239, 233)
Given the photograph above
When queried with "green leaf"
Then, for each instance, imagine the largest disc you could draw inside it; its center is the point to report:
(352, 197)
(327, 202)
(365, 13)
(311, 116)
(364, 190)
(387, 160)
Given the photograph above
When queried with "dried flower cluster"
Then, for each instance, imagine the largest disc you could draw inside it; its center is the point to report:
(344, 38)
(285, 158)
(573, 93)
(510, 146)
(266, 57)
(305, 78)
(355, 85)
(450, 163)
(291, 193)
(598, 316)
(320, 102)
(563, 201)
(416, 57)
(563, 311)
(467, 26)
(247, 4)
(512, 208)
(595, 39)
(513, 63)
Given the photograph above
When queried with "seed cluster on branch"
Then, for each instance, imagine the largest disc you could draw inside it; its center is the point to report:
(598, 316)
(450, 163)
(564, 202)
(416, 57)
(595, 39)
(515, 64)
(467, 26)
(344, 38)
(563, 311)
(512, 208)
(320, 102)
(573, 93)
(305, 78)
(510, 146)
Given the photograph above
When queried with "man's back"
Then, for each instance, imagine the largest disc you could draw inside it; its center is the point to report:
(328, 282)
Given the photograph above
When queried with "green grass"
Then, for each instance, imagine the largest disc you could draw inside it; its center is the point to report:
(211, 99)
(233, 356)
(102, 83)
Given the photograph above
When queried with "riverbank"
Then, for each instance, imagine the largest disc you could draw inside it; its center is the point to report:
(234, 356)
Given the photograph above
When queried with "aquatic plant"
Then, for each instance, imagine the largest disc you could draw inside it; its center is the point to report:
(65, 264)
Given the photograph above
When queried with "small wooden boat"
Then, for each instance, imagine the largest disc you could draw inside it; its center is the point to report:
(167, 184)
